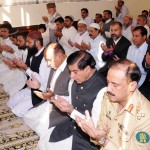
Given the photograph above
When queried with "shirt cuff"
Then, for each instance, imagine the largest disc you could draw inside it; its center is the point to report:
(76, 113)
(29, 72)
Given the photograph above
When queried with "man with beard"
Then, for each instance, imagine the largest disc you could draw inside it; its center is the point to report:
(66, 33)
(93, 47)
(124, 121)
(116, 47)
(127, 28)
(13, 78)
(20, 103)
(81, 36)
(50, 22)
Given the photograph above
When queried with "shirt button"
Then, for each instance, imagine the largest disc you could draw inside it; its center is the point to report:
(75, 107)
(77, 97)
(84, 105)
(115, 118)
(81, 87)
(74, 127)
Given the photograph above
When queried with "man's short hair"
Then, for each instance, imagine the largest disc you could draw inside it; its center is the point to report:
(142, 29)
(132, 70)
(145, 11)
(82, 58)
(42, 26)
(69, 17)
(59, 19)
(56, 46)
(85, 9)
(100, 15)
(23, 34)
(7, 26)
(116, 23)
(143, 17)
(109, 12)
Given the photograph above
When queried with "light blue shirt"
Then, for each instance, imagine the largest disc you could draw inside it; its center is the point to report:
(136, 55)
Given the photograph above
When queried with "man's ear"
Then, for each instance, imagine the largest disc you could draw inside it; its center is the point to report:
(133, 86)
(87, 69)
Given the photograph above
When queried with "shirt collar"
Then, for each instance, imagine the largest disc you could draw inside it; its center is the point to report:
(132, 106)
(39, 52)
(107, 21)
(117, 40)
(63, 65)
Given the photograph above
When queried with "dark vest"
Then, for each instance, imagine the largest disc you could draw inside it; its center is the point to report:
(61, 88)
(83, 96)
(35, 65)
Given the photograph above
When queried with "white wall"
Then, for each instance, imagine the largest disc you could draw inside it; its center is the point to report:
(31, 14)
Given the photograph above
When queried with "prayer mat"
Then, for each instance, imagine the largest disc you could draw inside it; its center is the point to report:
(14, 134)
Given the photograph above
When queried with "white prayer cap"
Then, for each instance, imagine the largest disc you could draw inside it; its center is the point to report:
(82, 21)
(95, 25)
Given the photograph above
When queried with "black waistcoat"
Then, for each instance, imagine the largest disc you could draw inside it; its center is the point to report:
(35, 65)
(83, 96)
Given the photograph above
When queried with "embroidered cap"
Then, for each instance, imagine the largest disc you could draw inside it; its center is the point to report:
(34, 35)
(82, 21)
(51, 5)
(95, 25)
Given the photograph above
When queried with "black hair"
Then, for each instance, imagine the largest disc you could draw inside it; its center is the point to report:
(117, 23)
(82, 58)
(68, 17)
(42, 26)
(59, 19)
(132, 71)
(85, 9)
(56, 46)
(109, 12)
(142, 29)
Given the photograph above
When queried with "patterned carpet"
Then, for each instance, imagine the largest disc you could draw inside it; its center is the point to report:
(14, 134)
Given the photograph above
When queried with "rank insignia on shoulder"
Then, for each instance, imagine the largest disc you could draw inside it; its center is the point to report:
(142, 137)
(130, 108)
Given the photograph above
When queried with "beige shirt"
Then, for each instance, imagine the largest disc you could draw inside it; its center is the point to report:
(130, 128)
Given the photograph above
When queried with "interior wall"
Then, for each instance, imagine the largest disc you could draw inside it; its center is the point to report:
(32, 14)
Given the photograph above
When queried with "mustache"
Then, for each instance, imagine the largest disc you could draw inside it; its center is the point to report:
(109, 93)
(113, 35)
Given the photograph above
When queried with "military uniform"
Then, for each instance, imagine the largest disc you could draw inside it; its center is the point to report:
(130, 128)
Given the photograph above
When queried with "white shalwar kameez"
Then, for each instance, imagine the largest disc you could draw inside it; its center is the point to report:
(19, 104)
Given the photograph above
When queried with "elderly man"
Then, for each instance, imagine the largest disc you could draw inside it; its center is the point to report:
(84, 93)
(137, 50)
(127, 27)
(124, 121)
(57, 85)
(93, 47)
(50, 22)
(81, 36)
